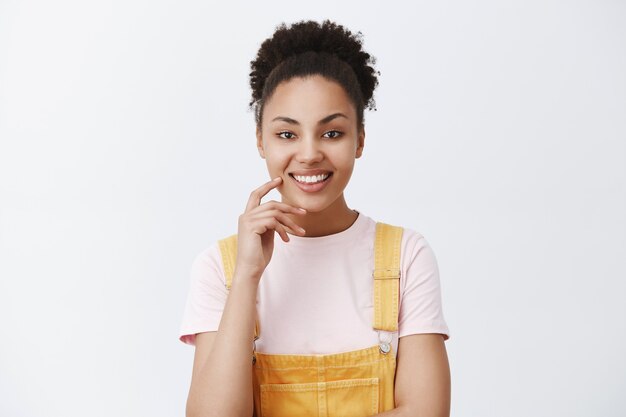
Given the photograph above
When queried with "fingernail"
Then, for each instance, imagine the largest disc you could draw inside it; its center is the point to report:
(302, 209)
(276, 179)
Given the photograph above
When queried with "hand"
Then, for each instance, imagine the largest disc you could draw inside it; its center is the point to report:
(255, 235)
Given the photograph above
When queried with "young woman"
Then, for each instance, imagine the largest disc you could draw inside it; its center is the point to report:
(342, 315)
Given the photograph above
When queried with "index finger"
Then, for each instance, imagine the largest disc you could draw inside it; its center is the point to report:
(257, 195)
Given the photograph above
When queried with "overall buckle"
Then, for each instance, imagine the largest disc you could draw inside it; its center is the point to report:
(384, 341)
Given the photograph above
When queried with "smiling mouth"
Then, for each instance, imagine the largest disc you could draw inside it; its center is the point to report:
(312, 179)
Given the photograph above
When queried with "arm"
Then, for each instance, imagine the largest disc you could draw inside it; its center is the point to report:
(221, 381)
(422, 387)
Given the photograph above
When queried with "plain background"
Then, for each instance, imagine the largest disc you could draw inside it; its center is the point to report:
(127, 147)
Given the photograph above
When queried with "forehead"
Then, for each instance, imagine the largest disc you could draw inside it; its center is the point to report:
(308, 99)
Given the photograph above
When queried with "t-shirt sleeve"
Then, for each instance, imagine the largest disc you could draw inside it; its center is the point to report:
(421, 308)
(207, 295)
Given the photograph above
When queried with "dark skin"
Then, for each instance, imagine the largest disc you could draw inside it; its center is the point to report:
(422, 381)
(422, 386)
(301, 143)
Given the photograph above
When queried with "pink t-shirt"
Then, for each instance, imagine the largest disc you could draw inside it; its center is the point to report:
(316, 294)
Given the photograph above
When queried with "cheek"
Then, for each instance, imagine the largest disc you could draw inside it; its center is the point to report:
(345, 163)
(345, 155)
(275, 161)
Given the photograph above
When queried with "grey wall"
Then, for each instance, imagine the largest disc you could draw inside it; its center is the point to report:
(126, 148)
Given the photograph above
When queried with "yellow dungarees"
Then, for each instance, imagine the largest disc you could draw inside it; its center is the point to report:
(353, 384)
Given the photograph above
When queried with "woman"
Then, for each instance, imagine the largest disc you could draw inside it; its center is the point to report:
(346, 319)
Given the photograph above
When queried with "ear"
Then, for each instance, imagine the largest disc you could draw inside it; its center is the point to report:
(259, 142)
(360, 144)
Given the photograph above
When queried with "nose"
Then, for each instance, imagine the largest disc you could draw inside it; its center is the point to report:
(309, 151)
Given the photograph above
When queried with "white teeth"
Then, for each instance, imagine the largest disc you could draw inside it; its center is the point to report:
(311, 179)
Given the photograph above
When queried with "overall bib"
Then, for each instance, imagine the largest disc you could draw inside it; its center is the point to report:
(356, 383)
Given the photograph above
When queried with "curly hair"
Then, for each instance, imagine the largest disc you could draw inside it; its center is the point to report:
(308, 48)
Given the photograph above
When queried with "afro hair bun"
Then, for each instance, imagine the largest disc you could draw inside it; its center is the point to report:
(330, 41)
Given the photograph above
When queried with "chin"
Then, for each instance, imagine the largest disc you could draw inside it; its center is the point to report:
(313, 208)
(312, 204)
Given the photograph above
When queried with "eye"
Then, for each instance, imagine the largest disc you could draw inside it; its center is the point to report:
(285, 133)
(337, 134)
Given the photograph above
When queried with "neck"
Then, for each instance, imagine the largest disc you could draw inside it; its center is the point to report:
(334, 219)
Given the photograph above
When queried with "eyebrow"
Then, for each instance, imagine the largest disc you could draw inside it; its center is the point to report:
(321, 122)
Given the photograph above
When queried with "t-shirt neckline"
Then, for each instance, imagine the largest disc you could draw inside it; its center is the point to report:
(345, 236)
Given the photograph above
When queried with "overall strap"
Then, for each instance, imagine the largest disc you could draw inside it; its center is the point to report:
(228, 250)
(387, 276)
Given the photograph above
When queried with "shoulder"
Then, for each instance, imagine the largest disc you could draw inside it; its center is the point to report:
(208, 264)
(412, 242)
(415, 249)
(417, 252)
(213, 254)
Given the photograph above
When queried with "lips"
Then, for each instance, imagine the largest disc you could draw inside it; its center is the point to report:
(311, 179)
(312, 187)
